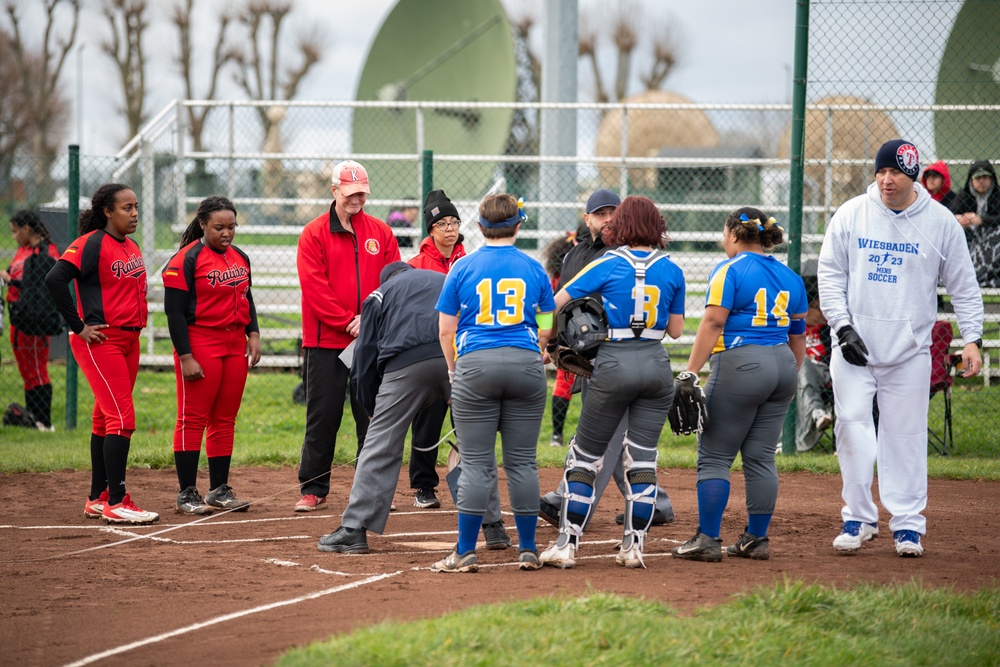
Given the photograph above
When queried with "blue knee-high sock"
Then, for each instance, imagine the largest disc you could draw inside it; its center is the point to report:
(641, 511)
(757, 524)
(468, 531)
(577, 509)
(526, 525)
(713, 496)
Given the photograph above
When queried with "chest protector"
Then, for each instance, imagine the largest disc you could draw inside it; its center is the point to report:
(637, 324)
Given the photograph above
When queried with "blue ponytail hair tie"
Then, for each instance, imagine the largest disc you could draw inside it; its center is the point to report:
(747, 222)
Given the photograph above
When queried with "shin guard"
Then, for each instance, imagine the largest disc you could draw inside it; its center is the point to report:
(578, 493)
(639, 464)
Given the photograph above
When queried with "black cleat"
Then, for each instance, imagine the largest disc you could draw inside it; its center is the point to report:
(700, 547)
(426, 499)
(496, 536)
(345, 540)
(189, 502)
(224, 498)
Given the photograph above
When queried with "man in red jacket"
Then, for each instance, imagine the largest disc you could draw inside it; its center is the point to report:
(340, 256)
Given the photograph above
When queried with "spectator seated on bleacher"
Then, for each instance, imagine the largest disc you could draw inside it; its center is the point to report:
(977, 208)
(814, 395)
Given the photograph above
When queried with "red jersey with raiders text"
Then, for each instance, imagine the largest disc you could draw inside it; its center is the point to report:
(337, 272)
(217, 284)
(111, 287)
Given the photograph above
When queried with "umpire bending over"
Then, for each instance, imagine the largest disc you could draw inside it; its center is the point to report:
(398, 360)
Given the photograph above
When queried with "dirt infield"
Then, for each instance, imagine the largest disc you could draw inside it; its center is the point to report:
(239, 589)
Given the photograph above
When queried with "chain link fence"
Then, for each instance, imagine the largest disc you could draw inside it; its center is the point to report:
(925, 71)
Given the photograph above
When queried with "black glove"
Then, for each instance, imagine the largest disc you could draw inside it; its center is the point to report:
(572, 362)
(852, 347)
(689, 412)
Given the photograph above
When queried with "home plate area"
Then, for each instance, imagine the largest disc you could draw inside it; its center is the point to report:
(241, 588)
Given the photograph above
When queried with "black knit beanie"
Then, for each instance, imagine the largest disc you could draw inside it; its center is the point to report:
(437, 206)
(899, 154)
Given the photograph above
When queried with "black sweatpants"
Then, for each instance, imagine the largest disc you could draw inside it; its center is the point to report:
(326, 380)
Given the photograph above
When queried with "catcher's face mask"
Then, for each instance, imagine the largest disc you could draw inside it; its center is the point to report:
(583, 326)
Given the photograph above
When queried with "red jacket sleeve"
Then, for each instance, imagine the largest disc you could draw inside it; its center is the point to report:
(313, 278)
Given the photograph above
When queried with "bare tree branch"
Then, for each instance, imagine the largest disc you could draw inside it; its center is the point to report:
(15, 121)
(128, 23)
(39, 72)
(259, 67)
(588, 51)
(310, 49)
(221, 55)
(666, 45)
(625, 35)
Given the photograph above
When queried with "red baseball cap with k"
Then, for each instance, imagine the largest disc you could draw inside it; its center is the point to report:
(350, 177)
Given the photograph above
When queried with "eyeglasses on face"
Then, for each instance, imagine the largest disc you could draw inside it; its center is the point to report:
(446, 224)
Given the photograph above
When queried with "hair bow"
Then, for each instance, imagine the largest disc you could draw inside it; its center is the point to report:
(747, 221)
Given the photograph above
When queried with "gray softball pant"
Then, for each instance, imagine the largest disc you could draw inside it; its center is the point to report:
(402, 394)
(498, 390)
(631, 377)
(749, 390)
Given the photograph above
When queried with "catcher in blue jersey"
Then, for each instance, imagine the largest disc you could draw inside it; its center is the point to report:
(753, 334)
(496, 312)
(643, 296)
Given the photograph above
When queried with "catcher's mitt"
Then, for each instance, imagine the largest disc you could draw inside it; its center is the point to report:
(689, 413)
(573, 362)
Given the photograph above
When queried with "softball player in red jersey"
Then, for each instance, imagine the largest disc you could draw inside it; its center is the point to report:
(111, 311)
(213, 326)
(30, 352)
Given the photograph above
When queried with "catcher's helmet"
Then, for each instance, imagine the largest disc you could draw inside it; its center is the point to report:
(583, 326)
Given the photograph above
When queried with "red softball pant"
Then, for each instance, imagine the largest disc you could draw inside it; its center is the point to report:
(110, 367)
(563, 387)
(213, 401)
(32, 356)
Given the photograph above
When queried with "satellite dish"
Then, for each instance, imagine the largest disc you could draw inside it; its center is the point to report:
(970, 74)
(437, 50)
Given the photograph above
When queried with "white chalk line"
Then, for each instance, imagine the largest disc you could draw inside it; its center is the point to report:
(316, 568)
(227, 617)
(170, 540)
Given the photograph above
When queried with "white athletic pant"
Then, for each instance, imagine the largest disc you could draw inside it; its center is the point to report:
(900, 451)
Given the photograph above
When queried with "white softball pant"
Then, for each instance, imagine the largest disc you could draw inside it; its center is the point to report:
(900, 450)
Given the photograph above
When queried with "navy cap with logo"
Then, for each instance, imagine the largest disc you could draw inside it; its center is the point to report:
(899, 154)
(602, 199)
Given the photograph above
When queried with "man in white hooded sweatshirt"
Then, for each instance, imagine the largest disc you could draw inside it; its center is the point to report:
(879, 267)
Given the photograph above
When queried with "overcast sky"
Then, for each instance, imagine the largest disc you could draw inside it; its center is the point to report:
(717, 62)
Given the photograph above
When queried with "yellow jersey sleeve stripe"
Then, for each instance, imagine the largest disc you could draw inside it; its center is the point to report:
(584, 270)
(717, 286)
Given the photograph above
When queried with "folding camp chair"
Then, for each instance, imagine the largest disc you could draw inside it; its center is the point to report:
(943, 364)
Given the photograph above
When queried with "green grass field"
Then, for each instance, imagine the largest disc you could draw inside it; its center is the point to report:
(788, 623)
